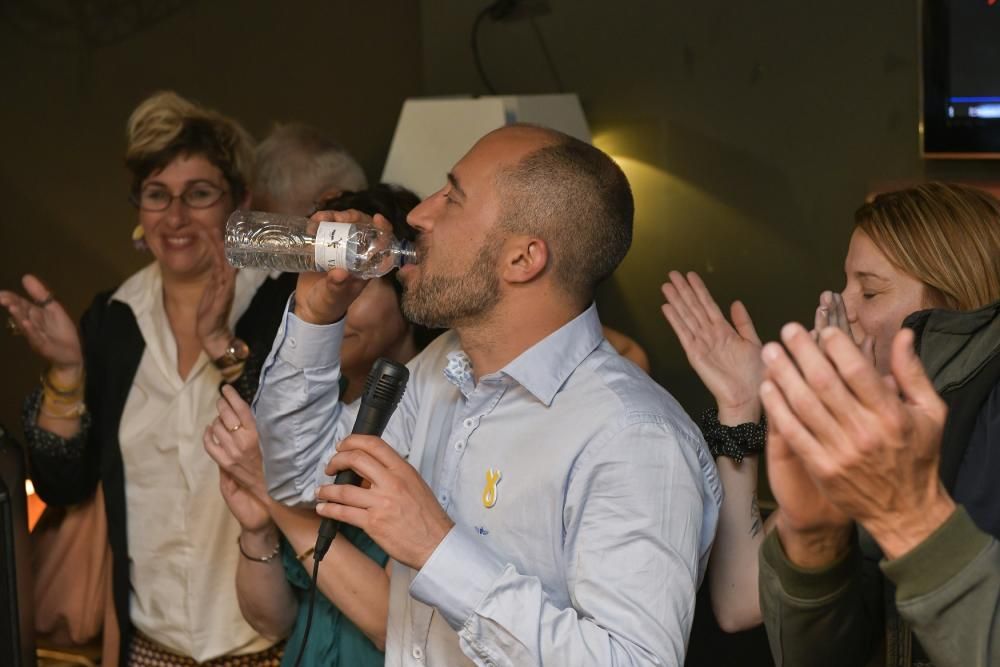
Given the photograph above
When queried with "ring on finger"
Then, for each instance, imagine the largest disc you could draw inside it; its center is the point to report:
(46, 301)
(236, 428)
(12, 326)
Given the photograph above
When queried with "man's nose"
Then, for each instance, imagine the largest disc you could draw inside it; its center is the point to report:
(421, 217)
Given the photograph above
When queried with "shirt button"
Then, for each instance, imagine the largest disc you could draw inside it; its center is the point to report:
(292, 342)
(469, 423)
(459, 446)
(443, 498)
(417, 653)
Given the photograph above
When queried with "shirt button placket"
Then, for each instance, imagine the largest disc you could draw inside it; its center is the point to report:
(469, 423)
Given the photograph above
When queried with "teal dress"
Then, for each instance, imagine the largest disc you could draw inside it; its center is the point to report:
(334, 641)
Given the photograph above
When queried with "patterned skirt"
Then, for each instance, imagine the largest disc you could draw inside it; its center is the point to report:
(144, 652)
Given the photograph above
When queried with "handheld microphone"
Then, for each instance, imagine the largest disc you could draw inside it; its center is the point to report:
(383, 390)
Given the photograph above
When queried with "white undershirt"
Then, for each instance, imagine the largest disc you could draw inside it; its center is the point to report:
(181, 535)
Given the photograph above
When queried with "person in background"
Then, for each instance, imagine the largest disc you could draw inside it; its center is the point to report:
(124, 400)
(297, 167)
(931, 246)
(272, 590)
(726, 357)
(935, 246)
(627, 347)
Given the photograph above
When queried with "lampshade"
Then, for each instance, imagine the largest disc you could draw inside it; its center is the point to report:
(434, 133)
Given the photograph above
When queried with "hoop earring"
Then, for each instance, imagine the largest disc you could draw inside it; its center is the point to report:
(139, 239)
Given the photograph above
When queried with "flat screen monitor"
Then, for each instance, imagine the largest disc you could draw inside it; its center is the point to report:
(17, 644)
(961, 78)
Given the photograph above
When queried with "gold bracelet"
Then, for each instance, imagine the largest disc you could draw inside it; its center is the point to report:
(74, 412)
(305, 554)
(259, 559)
(51, 386)
(53, 399)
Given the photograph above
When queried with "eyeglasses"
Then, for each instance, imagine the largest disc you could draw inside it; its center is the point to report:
(155, 198)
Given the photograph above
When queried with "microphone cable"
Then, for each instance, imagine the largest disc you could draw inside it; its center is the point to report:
(383, 390)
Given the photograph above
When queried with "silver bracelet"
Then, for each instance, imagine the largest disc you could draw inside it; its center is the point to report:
(258, 559)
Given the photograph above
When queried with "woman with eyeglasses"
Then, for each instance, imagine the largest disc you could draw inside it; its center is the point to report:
(125, 398)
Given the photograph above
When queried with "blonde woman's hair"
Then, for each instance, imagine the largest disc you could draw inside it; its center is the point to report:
(165, 126)
(945, 235)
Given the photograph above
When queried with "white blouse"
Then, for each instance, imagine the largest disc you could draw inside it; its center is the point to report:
(181, 535)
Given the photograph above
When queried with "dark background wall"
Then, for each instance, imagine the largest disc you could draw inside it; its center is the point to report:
(750, 131)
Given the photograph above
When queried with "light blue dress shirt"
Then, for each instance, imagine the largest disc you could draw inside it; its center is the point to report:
(589, 548)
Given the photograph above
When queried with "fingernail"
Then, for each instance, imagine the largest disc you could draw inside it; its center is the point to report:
(789, 330)
(769, 352)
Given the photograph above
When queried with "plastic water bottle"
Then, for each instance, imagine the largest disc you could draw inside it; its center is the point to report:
(273, 241)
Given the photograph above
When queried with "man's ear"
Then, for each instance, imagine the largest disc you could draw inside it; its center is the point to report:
(525, 259)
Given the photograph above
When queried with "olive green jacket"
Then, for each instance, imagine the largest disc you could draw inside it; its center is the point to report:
(861, 610)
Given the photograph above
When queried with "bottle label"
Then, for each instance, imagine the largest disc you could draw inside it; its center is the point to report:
(331, 245)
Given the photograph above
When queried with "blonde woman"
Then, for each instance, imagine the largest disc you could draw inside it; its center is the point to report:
(125, 399)
(935, 245)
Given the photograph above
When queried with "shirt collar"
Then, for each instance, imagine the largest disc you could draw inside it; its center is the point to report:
(140, 290)
(544, 367)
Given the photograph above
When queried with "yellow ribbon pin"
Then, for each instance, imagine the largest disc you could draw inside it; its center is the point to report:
(490, 490)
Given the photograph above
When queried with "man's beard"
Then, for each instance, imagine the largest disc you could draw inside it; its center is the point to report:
(456, 300)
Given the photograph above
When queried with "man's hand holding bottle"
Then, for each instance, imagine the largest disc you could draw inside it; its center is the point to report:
(323, 298)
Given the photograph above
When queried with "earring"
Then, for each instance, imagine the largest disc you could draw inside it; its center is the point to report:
(139, 238)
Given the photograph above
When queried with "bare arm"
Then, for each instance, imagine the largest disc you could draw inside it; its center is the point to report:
(353, 582)
(733, 567)
(266, 599)
(727, 359)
